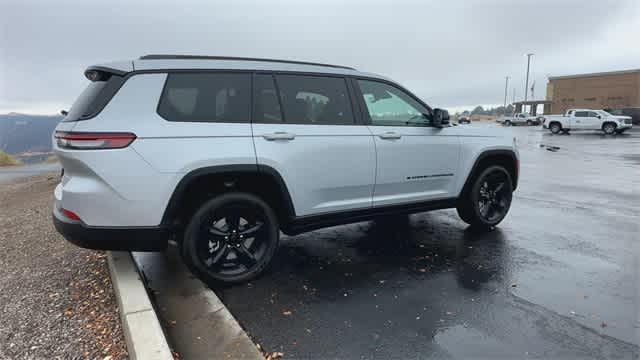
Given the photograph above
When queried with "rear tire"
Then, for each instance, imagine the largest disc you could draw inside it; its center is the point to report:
(232, 238)
(487, 200)
(555, 128)
(507, 123)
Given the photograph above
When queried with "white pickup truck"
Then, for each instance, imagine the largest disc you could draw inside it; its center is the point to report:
(519, 119)
(586, 119)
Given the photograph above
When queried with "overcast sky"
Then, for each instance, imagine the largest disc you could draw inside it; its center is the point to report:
(453, 54)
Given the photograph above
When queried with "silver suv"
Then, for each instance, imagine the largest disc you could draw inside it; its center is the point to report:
(222, 154)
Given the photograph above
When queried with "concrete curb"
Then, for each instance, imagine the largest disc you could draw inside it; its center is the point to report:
(202, 326)
(142, 331)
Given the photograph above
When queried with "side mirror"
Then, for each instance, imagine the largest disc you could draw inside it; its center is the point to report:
(64, 112)
(440, 118)
(599, 116)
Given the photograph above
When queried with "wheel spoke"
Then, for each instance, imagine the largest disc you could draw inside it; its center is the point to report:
(499, 188)
(217, 232)
(251, 231)
(247, 257)
(233, 221)
(221, 255)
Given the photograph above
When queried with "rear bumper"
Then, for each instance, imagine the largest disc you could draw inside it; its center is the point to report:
(110, 238)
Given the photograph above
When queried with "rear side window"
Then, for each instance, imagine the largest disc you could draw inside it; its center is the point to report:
(94, 98)
(315, 100)
(582, 114)
(206, 97)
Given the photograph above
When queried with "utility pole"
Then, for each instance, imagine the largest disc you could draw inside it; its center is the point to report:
(514, 101)
(526, 86)
(506, 85)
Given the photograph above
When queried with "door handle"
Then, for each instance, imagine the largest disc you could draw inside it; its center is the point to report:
(390, 136)
(279, 135)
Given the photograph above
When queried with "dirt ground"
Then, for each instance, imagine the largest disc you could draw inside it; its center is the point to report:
(56, 300)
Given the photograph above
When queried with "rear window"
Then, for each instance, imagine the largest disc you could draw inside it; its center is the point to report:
(94, 98)
(206, 97)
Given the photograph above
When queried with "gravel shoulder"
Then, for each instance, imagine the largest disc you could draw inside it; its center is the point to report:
(56, 300)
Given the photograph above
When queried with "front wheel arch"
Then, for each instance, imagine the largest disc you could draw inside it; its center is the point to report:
(506, 158)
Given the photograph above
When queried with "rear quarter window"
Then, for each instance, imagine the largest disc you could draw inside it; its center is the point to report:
(94, 98)
(206, 97)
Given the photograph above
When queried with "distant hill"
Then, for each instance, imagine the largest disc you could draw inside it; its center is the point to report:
(26, 133)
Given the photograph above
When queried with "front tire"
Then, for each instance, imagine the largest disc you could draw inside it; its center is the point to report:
(232, 238)
(609, 128)
(529, 122)
(487, 201)
(507, 123)
(555, 128)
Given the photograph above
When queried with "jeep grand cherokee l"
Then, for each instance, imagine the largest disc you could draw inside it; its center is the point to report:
(223, 154)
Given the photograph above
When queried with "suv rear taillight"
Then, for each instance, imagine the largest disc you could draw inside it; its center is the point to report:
(93, 141)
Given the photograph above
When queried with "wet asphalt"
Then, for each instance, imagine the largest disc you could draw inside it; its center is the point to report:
(557, 279)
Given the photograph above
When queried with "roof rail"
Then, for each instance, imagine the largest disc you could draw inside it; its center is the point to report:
(199, 57)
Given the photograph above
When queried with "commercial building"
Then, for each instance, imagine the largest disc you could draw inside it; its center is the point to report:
(605, 90)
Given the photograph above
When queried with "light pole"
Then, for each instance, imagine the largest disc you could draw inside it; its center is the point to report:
(506, 85)
(526, 85)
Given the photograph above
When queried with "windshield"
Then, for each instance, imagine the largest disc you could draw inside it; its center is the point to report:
(603, 113)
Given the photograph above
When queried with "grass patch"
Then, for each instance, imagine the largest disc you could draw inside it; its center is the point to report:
(51, 159)
(7, 160)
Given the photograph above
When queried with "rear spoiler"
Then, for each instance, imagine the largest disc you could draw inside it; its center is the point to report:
(104, 71)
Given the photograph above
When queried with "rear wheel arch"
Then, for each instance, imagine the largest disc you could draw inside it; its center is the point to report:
(505, 158)
(200, 185)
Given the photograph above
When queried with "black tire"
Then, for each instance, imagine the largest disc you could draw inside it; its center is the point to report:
(215, 232)
(485, 190)
(555, 128)
(529, 122)
(507, 123)
(609, 128)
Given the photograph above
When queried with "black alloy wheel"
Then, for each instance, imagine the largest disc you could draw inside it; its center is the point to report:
(231, 238)
(493, 196)
(488, 200)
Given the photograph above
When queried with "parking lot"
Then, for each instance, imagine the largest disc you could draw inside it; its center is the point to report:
(557, 279)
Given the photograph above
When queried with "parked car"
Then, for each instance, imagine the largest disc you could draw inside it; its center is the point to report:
(464, 120)
(222, 154)
(634, 113)
(520, 119)
(587, 119)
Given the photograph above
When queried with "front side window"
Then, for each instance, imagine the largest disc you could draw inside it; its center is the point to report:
(315, 100)
(390, 106)
(206, 97)
(593, 114)
(581, 114)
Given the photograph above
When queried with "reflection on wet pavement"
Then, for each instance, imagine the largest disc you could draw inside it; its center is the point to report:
(557, 279)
